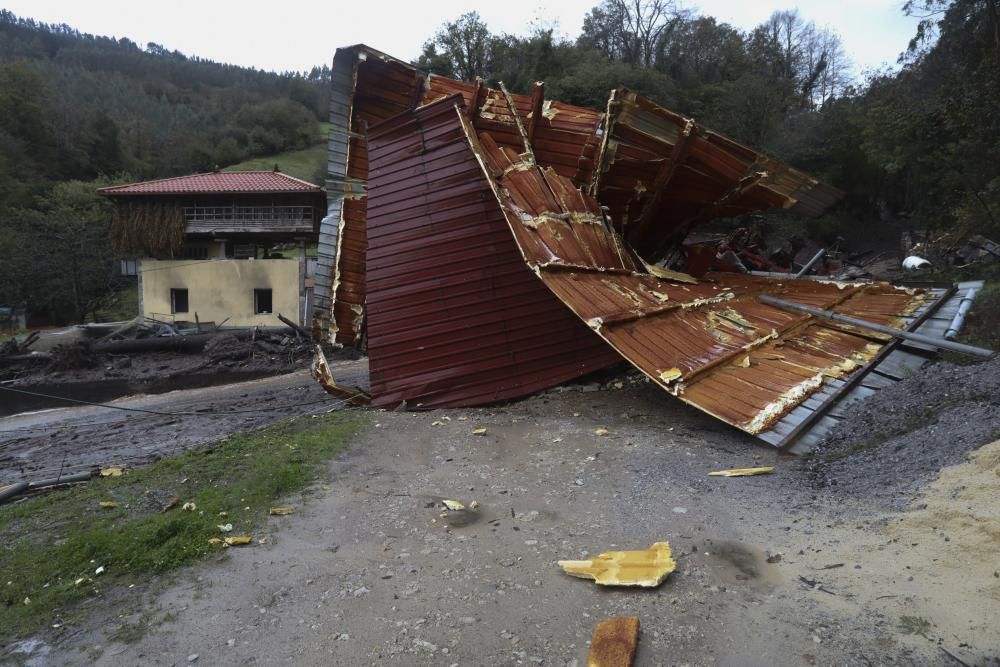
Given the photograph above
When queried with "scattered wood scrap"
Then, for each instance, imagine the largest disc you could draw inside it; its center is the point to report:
(614, 642)
(741, 472)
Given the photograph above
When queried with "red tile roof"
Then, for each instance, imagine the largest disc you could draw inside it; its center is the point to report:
(217, 182)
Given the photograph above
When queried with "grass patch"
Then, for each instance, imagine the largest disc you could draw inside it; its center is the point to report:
(122, 304)
(51, 545)
(309, 164)
(914, 625)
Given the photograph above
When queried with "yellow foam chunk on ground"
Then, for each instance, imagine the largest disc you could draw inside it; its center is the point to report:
(479, 431)
(281, 511)
(235, 541)
(646, 568)
(741, 472)
(108, 504)
(114, 471)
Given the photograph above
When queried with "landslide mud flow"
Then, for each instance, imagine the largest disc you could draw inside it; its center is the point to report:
(62, 441)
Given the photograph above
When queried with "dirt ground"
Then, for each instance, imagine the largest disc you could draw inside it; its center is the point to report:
(772, 570)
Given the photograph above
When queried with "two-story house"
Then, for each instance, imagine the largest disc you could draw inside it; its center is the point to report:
(225, 247)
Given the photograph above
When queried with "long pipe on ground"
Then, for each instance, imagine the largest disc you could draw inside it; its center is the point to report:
(14, 490)
(865, 324)
(963, 309)
(812, 262)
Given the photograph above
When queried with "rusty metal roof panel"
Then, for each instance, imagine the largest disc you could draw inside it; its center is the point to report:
(801, 429)
(455, 315)
(711, 344)
(367, 87)
(475, 195)
(656, 158)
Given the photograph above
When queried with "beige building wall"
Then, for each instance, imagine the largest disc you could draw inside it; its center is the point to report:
(222, 288)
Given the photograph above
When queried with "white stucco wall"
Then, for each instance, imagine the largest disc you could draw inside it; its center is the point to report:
(222, 288)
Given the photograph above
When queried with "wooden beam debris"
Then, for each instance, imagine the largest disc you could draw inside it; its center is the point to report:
(614, 642)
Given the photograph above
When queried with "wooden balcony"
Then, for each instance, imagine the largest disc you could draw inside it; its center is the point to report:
(243, 219)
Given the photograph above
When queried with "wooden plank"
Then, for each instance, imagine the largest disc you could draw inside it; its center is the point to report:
(614, 642)
(537, 98)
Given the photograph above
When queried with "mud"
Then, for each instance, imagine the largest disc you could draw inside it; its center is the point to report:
(143, 428)
(771, 571)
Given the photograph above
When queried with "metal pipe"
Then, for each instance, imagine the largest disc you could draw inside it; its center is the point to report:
(805, 269)
(791, 276)
(963, 309)
(12, 491)
(897, 333)
(65, 479)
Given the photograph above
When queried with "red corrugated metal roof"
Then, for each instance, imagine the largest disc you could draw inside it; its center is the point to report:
(455, 317)
(464, 214)
(216, 182)
(622, 156)
(660, 174)
(712, 344)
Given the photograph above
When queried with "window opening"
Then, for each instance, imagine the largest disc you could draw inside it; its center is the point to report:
(178, 300)
(262, 301)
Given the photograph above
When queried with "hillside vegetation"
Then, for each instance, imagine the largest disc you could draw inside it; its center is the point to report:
(309, 164)
(78, 106)
(79, 111)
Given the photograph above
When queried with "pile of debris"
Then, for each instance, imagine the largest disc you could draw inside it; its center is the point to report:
(114, 351)
(947, 249)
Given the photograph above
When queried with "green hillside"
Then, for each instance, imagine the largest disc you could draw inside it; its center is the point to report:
(309, 164)
(75, 106)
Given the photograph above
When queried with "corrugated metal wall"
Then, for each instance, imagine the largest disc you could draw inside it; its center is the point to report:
(455, 315)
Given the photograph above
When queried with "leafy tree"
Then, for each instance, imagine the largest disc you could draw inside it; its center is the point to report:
(57, 257)
(464, 46)
(436, 63)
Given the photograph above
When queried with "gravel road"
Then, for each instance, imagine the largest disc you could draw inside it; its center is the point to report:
(771, 571)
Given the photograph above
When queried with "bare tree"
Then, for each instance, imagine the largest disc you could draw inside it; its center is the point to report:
(812, 58)
(834, 79)
(630, 30)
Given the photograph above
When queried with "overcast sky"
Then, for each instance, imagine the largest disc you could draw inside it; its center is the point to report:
(296, 35)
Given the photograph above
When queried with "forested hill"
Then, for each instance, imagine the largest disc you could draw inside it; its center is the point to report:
(78, 106)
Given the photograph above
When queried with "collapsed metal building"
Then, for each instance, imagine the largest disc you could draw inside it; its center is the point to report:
(489, 245)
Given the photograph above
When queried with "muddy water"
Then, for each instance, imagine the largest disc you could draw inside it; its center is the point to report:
(100, 391)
